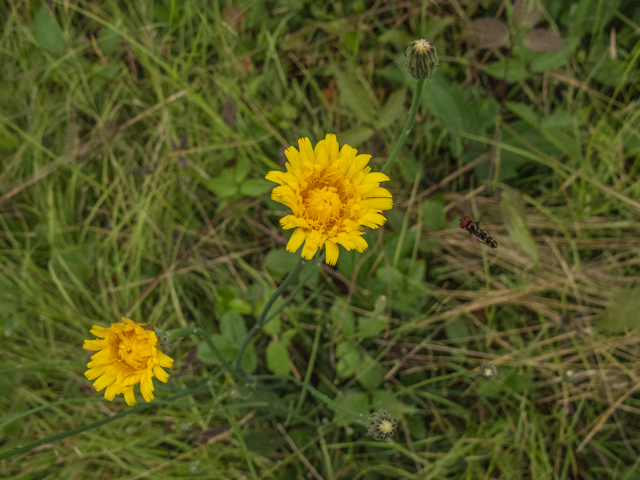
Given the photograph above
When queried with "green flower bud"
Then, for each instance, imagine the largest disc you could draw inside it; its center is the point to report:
(381, 425)
(422, 59)
(488, 371)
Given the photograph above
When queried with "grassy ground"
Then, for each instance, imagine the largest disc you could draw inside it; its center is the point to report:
(134, 140)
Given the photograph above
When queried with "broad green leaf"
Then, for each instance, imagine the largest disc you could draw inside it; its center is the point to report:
(543, 62)
(224, 346)
(47, 32)
(278, 358)
(392, 109)
(223, 186)
(349, 361)
(240, 306)
(514, 69)
(351, 400)
(249, 361)
(371, 326)
(433, 215)
(385, 400)
(524, 112)
(344, 317)
(108, 39)
(232, 326)
(368, 374)
(621, 316)
(255, 187)
(273, 326)
(456, 330)
(242, 170)
(356, 136)
(514, 212)
(355, 96)
(281, 261)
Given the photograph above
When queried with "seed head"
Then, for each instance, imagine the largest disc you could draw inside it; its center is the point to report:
(422, 59)
(381, 425)
(488, 371)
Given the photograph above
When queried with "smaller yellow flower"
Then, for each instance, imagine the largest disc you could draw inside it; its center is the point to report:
(128, 354)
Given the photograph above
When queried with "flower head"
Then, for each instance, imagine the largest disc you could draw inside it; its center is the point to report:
(488, 371)
(422, 59)
(381, 425)
(128, 353)
(332, 194)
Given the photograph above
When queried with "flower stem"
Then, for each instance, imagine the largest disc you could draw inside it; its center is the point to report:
(415, 103)
(263, 316)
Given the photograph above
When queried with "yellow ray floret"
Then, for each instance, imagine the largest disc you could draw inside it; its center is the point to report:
(332, 195)
(128, 354)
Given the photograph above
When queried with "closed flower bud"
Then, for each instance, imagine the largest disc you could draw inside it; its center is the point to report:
(381, 425)
(488, 371)
(422, 59)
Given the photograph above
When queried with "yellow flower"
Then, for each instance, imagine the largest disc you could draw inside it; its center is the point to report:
(127, 355)
(332, 196)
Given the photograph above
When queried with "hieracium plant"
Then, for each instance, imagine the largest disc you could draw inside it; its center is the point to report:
(332, 194)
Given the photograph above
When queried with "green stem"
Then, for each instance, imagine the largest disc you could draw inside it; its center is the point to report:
(135, 409)
(415, 103)
(262, 320)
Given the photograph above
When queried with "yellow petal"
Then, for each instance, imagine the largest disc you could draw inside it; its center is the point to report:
(296, 240)
(332, 253)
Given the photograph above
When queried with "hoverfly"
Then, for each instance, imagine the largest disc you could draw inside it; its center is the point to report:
(474, 229)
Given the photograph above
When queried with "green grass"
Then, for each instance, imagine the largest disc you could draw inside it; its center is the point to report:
(105, 212)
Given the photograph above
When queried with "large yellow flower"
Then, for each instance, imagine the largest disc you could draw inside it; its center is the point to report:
(128, 354)
(332, 196)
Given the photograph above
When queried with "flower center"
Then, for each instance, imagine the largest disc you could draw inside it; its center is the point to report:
(323, 206)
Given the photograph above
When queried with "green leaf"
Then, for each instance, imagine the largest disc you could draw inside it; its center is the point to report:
(353, 400)
(47, 32)
(281, 261)
(368, 374)
(433, 214)
(240, 306)
(371, 326)
(224, 346)
(242, 170)
(456, 330)
(524, 112)
(255, 187)
(273, 326)
(278, 358)
(346, 320)
(232, 326)
(392, 109)
(385, 400)
(543, 62)
(515, 70)
(108, 39)
(223, 186)
(356, 136)
(355, 96)
(622, 314)
(249, 361)
(513, 209)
